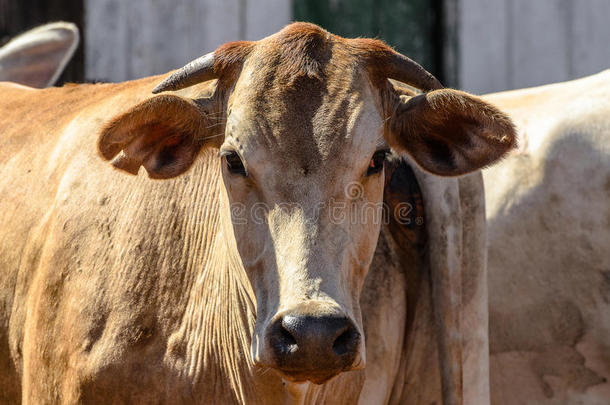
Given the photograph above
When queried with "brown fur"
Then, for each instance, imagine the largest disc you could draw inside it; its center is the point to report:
(229, 57)
(442, 123)
(176, 130)
(116, 289)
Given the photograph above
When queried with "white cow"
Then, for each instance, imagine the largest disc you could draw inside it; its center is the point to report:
(548, 210)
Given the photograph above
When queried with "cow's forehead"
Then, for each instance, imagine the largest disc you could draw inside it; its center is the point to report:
(304, 97)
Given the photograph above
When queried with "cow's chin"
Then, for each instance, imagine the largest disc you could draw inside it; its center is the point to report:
(302, 376)
(318, 376)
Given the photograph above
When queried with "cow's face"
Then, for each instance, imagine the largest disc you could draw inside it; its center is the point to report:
(303, 170)
(308, 118)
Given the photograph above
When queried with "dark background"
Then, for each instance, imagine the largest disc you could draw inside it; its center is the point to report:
(413, 27)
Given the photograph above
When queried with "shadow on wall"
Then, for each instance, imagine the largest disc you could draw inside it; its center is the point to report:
(549, 276)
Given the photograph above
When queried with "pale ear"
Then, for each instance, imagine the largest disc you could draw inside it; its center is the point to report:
(37, 57)
(449, 132)
(164, 134)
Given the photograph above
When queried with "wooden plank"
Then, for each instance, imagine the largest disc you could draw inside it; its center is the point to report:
(221, 22)
(448, 39)
(342, 17)
(265, 17)
(507, 44)
(105, 38)
(410, 26)
(591, 37)
(483, 54)
(540, 42)
(128, 40)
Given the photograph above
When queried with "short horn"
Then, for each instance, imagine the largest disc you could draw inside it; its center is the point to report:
(395, 66)
(214, 65)
(197, 71)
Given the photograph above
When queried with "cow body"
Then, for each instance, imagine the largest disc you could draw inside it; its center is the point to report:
(144, 326)
(121, 289)
(549, 234)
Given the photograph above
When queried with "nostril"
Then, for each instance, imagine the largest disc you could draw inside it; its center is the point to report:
(287, 337)
(346, 342)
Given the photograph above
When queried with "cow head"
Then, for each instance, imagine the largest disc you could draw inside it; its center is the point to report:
(306, 119)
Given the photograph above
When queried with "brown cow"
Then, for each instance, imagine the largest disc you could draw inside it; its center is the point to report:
(232, 280)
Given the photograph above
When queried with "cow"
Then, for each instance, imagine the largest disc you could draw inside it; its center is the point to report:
(249, 266)
(549, 237)
(37, 57)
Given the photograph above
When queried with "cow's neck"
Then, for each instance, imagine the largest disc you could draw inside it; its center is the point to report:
(210, 346)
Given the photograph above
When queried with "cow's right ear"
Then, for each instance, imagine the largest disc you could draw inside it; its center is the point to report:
(164, 134)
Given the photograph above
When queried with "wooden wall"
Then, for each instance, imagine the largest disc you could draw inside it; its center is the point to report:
(489, 45)
(508, 44)
(137, 38)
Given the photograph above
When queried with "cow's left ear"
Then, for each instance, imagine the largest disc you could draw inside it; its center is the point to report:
(164, 134)
(449, 132)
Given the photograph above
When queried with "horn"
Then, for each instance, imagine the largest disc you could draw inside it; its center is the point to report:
(197, 71)
(395, 66)
(207, 67)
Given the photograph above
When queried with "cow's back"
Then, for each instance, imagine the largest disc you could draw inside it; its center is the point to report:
(549, 233)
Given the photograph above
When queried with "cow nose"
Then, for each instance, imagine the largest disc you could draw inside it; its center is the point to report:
(313, 347)
(334, 336)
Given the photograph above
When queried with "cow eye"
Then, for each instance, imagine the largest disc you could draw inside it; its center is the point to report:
(376, 163)
(234, 164)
